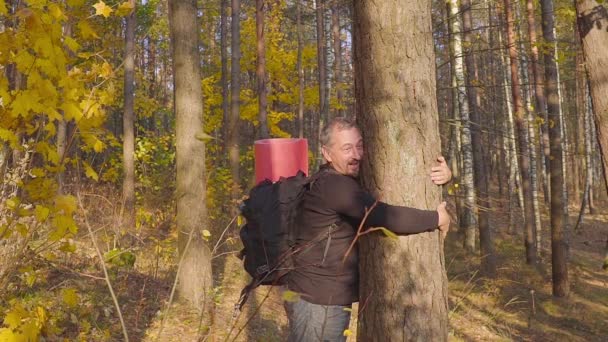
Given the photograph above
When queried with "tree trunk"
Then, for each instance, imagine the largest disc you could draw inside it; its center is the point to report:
(321, 64)
(128, 124)
(539, 93)
(195, 275)
(559, 247)
(524, 162)
(486, 245)
(592, 18)
(300, 70)
(235, 93)
(403, 284)
(589, 145)
(335, 27)
(468, 221)
(224, 66)
(261, 70)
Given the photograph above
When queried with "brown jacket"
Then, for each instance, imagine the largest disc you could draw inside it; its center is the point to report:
(334, 206)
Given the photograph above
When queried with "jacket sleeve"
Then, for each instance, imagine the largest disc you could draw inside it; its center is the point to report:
(345, 196)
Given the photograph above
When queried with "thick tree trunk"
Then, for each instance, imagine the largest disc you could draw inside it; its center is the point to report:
(486, 245)
(524, 162)
(195, 275)
(235, 100)
(592, 18)
(559, 247)
(128, 124)
(335, 28)
(261, 70)
(403, 283)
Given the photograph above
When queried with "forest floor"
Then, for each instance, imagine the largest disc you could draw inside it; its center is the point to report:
(516, 305)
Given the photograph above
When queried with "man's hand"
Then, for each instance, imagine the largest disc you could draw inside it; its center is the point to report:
(441, 174)
(444, 219)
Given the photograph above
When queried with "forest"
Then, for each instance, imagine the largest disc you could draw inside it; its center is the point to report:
(127, 132)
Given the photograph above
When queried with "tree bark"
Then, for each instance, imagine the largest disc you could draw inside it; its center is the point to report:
(468, 221)
(524, 162)
(321, 64)
(261, 70)
(559, 247)
(335, 27)
(403, 283)
(486, 245)
(592, 19)
(300, 70)
(235, 93)
(224, 66)
(195, 274)
(128, 123)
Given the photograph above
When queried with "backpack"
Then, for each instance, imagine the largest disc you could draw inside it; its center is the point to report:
(268, 234)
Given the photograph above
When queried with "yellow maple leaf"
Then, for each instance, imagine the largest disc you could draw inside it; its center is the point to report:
(89, 172)
(102, 9)
(125, 9)
(3, 9)
(86, 31)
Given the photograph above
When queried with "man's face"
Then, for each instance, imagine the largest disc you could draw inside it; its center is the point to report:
(345, 151)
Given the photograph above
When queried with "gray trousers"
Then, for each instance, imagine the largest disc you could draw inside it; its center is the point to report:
(317, 323)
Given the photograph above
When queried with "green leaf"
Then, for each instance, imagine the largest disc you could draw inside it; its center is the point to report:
(68, 247)
(42, 213)
(389, 234)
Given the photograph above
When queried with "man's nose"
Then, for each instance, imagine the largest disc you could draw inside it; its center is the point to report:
(357, 154)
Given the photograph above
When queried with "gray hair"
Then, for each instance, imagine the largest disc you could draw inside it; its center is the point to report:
(338, 123)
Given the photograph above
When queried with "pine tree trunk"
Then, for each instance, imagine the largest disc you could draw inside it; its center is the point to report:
(524, 162)
(195, 274)
(592, 18)
(261, 70)
(488, 260)
(403, 284)
(128, 149)
(235, 101)
(559, 247)
(335, 27)
(468, 221)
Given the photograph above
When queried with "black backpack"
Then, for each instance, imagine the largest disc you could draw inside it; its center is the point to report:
(267, 236)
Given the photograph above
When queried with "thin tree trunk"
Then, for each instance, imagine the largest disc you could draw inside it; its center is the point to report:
(592, 18)
(469, 220)
(335, 27)
(224, 66)
(195, 273)
(321, 65)
(523, 143)
(486, 245)
(559, 247)
(589, 145)
(128, 123)
(403, 284)
(235, 93)
(300, 70)
(261, 70)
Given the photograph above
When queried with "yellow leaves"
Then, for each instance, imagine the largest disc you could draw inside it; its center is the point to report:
(106, 70)
(70, 297)
(21, 325)
(3, 9)
(65, 203)
(10, 137)
(71, 111)
(63, 225)
(71, 44)
(89, 172)
(206, 234)
(86, 31)
(239, 220)
(41, 213)
(291, 296)
(125, 9)
(347, 333)
(102, 9)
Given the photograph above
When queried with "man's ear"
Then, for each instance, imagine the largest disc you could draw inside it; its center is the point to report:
(325, 153)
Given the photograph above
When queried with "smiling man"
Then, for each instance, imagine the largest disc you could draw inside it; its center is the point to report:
(326, 278)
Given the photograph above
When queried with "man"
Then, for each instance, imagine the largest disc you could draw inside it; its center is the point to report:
(326, 271)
